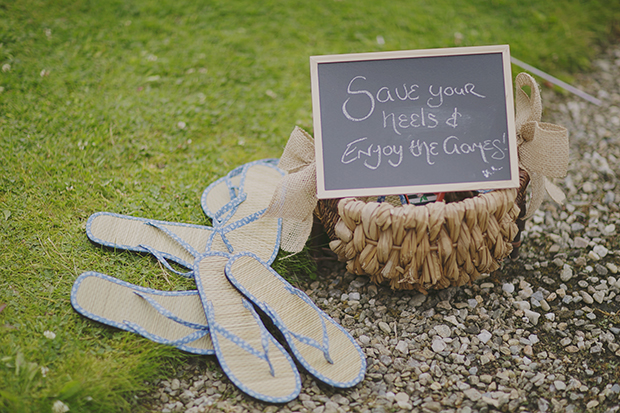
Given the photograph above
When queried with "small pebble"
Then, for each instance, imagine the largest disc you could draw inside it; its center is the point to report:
(443, 330)
(559, 385)
(532, 316)
(438, 345)
(567, 273)
(600, 250)
(385, 327)
(599, 296)
(484, 336)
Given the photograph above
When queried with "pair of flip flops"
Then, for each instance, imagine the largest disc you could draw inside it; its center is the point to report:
(230, 263)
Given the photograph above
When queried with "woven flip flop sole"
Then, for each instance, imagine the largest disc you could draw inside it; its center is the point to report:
(270, 292)
(257, 179)
(232, 323)
(115, 303)
(127, 232)
(260, 235)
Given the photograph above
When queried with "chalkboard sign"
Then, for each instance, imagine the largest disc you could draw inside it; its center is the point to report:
(416, 121)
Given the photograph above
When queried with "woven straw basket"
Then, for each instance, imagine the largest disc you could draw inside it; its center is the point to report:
(424, 247)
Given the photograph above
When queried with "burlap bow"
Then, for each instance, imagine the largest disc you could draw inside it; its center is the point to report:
(543, 147)
(295, 198)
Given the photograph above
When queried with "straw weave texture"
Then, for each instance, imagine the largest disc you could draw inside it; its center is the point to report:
(133, 232)
(433, 246)
(118, 303)
(260, 184)
(301, 319)
(229, 313)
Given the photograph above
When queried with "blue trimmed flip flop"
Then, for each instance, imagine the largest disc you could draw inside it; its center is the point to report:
(174, 318)
(243, 191)
(177, 242)
(241, 198)
(249, 355)
(322, 346)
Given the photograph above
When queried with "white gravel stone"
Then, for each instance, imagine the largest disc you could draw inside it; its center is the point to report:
(533, 316)
(599, 296)
(403, 347)
(600, 250)
(473, 394)
(587, 298)
(593, 256)
(438, 345)
(580, 242)
(484, 336)
(443, 330)
(567, 273)
(522, 305)
(417, 300)
(508, 287)
(385, 327)
(588, 187)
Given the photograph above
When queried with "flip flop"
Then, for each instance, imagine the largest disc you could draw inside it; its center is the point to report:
(243, 191)
(241, 198)
(177, 242)
(173, 318)
(249, 355)
(320, 344)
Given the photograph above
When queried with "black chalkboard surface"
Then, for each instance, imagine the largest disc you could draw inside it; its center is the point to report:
(414, 121)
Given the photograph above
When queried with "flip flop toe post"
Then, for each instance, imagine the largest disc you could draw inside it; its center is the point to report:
(322, 346)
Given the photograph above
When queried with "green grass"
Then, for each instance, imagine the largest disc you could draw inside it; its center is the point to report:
(135, 106)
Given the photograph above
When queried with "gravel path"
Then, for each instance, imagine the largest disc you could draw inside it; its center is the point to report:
(542, 334)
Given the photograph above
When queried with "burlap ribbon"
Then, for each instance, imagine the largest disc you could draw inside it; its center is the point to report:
(295, 198)
(543, 147)
(543, 153)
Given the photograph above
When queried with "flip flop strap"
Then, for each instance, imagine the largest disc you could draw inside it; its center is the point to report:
(222, 230)
(158, 339)
(186, 246)
(304, 339)
(263, 355)
(162, 259)
(168, 314)
(201, 329)
(236, 193)
(229, 209)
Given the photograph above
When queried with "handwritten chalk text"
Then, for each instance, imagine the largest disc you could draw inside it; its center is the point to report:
(372, 154)
(409, 92)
